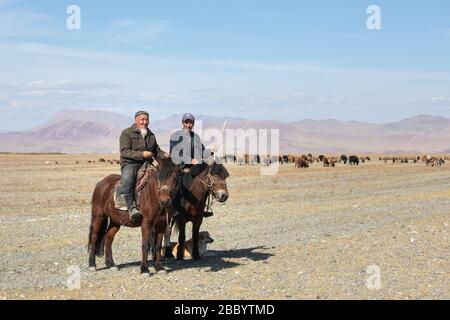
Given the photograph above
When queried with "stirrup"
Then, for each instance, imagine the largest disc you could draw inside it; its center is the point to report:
(208, 214)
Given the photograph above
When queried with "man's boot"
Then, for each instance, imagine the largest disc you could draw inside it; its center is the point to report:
(131, 206)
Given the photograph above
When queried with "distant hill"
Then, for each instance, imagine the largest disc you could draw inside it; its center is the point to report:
(76, 131)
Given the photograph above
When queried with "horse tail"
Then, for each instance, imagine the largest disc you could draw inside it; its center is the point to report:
(100, 243)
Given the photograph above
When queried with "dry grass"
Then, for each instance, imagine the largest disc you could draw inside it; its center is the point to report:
(303, 233)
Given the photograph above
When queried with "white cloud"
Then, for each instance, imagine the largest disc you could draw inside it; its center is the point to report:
(440, 99)
(105, 79)
(19, 21)
(136, 32)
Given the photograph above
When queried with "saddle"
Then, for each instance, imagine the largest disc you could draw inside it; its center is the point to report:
(141, 181)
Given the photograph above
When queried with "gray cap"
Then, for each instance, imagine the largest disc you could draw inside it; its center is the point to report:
(141, 113)
(188, 116)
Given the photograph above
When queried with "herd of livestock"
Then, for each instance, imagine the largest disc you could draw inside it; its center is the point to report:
(305, 160)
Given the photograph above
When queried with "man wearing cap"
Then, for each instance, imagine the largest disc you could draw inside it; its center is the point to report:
(137, 146)
(186, 148)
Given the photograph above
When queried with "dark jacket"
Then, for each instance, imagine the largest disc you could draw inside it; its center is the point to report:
(191, 142)
(133, 145)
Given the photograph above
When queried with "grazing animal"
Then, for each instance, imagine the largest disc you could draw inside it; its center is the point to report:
(435, 162)
(301, 163)
(332, 162)
(344, 158)
(247, 159)
(353, 160)
(155, 198)
(267, 160)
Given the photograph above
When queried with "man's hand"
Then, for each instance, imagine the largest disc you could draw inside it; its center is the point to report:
(194, 161)
(148, 154)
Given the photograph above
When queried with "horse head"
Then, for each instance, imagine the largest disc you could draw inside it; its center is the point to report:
(215, 180)
(167, 181)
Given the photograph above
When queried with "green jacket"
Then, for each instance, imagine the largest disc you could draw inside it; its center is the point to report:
(133, 145)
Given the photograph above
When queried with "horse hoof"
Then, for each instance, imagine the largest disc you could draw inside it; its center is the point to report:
(161, 270)
(92, 269)
(145, 274)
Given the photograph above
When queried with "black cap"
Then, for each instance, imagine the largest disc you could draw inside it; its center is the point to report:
(141, 113)
(188, 116)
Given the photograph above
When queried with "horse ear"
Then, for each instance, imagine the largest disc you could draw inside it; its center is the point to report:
(210, 161)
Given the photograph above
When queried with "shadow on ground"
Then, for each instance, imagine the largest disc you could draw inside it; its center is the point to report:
(216, 260)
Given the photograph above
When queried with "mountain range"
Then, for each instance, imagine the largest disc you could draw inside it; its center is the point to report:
(78, 131)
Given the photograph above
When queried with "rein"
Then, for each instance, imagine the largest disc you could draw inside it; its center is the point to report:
(166, 187)
(154, 167)
(209, 184)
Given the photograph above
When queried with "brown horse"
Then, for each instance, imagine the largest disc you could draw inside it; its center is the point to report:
(155, 198)
(203, 180)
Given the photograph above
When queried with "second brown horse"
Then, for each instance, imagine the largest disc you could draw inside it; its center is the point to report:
(202, 181)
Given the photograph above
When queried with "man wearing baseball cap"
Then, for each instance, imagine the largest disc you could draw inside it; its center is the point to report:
(137, 146)
(186, 148)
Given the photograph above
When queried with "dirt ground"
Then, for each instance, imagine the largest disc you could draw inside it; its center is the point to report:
(376, 231)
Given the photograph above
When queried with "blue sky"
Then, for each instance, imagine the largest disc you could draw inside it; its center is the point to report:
(284, 60)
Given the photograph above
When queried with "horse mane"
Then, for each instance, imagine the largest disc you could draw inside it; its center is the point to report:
(166, 168)
(198, 169)
(216, 169)
(219, 170)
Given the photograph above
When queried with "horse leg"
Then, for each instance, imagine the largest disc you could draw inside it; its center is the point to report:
(109, 238)
(195, 235)
(166, 244)
(158, 266)
(145, 229)
(181, 239)
(97, 221)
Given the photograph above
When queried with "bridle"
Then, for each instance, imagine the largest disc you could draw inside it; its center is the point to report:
(172, 190)
(164, 187)
(211, 181)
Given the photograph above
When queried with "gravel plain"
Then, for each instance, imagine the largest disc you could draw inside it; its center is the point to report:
(376, 231)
